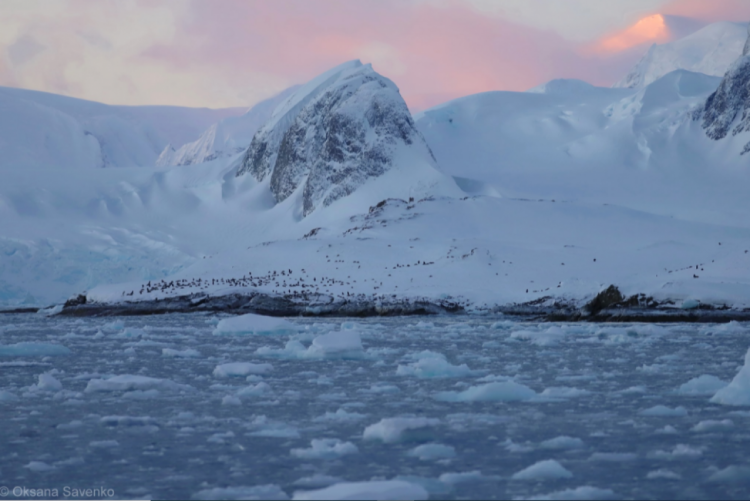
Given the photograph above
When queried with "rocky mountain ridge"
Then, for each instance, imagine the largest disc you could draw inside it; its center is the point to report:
(728, 109)
(333, 135)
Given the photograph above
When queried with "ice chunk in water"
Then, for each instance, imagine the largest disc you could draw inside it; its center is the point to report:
(738, 391)
(562, 443)
(702, 385)
(458, 478)
(549, 469)
(269, 491)
(402, 429)
(507, 391)
(255, 325)
(711, 425)
(340, 416)
(33, 350)
(374, 489)
(127, 382)
(39, 466)
(663, 474)
(430, 452)
(241, 369)
(550, 336)
(662, 410)
(431, 365)
(583, 493)
(317, 480)
(326, 448)
(187, 353)
(48, 382)
(336, 343)
(733, 474)
(6, 396)
(258, 390)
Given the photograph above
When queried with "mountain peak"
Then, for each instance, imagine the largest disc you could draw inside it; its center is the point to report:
(343, 128)
(710, 50)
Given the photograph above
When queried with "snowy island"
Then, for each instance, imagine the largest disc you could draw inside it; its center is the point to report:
(566, 202)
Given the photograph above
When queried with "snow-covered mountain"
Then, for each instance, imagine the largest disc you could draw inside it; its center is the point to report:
(41, 129)
(333, 135)
(563, 191)
(225, 138)
(710, 50)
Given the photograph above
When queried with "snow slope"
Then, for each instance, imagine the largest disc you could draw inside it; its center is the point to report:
(226, 137)
(710, 50)
(41, 129)
(634, 148)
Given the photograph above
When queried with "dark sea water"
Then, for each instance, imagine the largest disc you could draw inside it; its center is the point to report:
(140, 408)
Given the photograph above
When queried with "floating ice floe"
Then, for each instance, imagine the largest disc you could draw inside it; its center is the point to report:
(549, 469)
(7, 396)
(613, 456)
(401, 429)
(562, 443)
(738, 391)
(241, 369)
(732, 327)
(48, 382)
(39, 467)
(680, 451)
(347, 343)
(702, 385)
(430, 365)
(263, 427)
(127, 382)
(104, 444)
(33, 350)
(187, 353)
(258, 390)
(431, 452)
(548, 337)
(334, 345)
(316, 481)
(252, 324)
(325, 448)
(507, 391)
(374, 489)
(662, 410)
(583, 493)
(461, 477)
(734, 474)
(711, 425)
(270, 491)
(340, 416)
(663, 474)
(556, 392)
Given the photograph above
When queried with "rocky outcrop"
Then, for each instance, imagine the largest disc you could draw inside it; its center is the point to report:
(332, 136)
(728, 109)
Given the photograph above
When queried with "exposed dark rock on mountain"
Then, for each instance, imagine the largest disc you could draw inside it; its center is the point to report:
(728, 109)
(332, 136)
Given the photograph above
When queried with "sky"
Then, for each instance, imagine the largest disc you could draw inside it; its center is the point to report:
(207, 53)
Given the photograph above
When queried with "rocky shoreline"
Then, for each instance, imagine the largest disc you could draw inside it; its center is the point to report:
(607, 306)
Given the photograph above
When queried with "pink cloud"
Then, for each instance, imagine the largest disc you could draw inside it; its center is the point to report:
(710, 11)
(434, 53)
